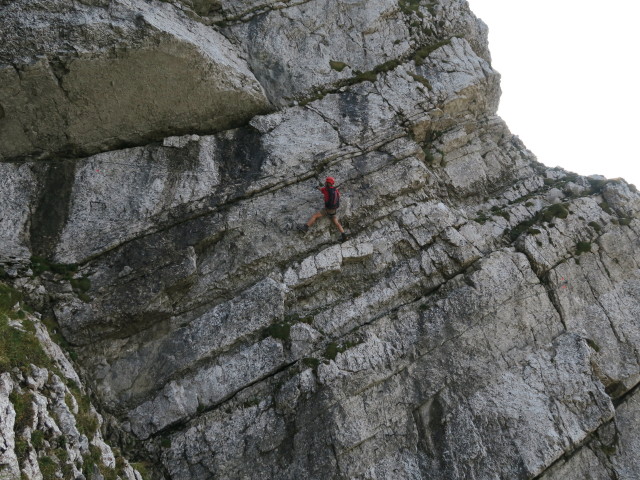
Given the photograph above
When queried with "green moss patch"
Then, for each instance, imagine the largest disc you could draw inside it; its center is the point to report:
(81, 286)
(481, 218)
(422, 80)
(333, 349)
(282, 330)
(311, 362)
(409, 6)
(500, 212)
(606, 208)
(338, 66)
(422, 53)
(558, 210)
(91, 462)
(23, 406)
(39, 265)
(37, 439)
(86, 420)
(369, 76)
(546, 215)
(48, 467)
(596, 185)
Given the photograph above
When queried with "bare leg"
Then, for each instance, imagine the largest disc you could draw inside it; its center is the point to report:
(314, 217)
(336, 222)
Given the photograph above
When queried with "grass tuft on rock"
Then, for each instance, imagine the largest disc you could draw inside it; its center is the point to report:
(8, 298)
(18, 348)
(409, 6)
(583, 247)
(596, 226)
(422, 80)
(558, 210)
(422, 53)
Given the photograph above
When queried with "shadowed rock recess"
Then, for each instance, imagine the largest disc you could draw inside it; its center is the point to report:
(481, 322)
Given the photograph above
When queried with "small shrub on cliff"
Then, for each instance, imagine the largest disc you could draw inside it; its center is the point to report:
(48, 467)
(583, 247)
(279, 330)
(23, 406)
(558, 210)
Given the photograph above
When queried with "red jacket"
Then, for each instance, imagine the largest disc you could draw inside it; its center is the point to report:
(325, 193)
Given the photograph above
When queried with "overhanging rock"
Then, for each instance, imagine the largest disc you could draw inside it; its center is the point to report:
(78, 79)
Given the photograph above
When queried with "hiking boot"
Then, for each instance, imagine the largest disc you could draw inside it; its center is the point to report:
(303, 228)
(343, 237)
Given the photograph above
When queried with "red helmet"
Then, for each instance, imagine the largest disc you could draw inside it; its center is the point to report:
(330, 180)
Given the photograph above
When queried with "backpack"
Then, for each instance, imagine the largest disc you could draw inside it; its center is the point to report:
(334, 199)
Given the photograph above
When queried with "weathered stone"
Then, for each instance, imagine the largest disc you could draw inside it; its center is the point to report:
(79, 78)
(45, 431)
(479, 322)
(612, 453)
(18, 192)
(9, 467)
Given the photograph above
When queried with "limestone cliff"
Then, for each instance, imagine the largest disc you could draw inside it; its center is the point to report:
(481, 321)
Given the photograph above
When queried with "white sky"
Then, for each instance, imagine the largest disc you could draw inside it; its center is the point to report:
(570, 80)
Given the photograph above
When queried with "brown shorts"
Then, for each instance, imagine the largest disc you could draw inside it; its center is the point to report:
(329, 213)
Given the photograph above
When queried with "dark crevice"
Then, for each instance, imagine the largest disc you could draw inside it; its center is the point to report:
(626, 396)
(52, 207)
(585, 443)
(180, 425)
(548, 287)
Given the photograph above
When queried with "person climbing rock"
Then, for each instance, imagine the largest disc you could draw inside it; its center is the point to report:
(331, 204)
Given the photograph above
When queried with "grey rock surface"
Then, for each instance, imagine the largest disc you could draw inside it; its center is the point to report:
(83, 77)
(49, 427)
(480, 322)
(613, 453)
(9, 467)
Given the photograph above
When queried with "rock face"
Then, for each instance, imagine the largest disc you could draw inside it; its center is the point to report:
(48, 427)
(82, 77)
(481, 322)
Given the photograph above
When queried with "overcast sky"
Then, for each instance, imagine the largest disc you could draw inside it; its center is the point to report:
(570, 80)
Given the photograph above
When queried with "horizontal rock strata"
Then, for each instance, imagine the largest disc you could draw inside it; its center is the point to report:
(481, 321)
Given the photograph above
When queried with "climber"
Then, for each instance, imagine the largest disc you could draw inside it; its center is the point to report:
(331, 203)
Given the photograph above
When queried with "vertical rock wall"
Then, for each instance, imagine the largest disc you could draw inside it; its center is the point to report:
(481, 321)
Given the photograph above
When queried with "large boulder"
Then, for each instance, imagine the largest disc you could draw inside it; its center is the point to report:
(84, 77)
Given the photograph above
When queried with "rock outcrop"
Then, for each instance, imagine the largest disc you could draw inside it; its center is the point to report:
(84, 77)
(482, 321)
(48, 425)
